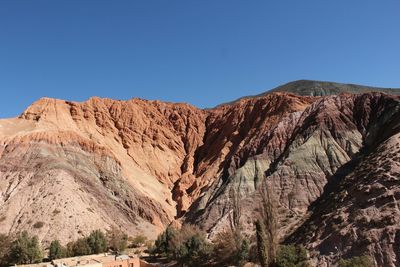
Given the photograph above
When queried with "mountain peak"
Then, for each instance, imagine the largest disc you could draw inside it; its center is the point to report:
(322, 88)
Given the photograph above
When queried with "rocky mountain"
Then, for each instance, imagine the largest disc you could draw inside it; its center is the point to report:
(323, 88)
(330, 156)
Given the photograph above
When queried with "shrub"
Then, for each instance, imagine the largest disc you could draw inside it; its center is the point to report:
(162, 243)
(190, 247)
(56, 211)
(79, 248)
(69, 249)
(138, 241)
(97, 242)
(291, 256)
(149, 244)
(363, 261)
(230, 249)
(25, 250)
(117, 239)
(5, 244)
(38, 225)
(56, 251)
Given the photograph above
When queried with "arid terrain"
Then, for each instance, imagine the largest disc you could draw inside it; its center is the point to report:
(329, 152)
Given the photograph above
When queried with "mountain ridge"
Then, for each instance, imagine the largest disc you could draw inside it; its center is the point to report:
(320, 88)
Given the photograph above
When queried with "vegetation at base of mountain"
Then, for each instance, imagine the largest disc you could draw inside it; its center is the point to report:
(79, 247)
(292, 256)
(188, 246)
(266, 227)
(138, 241)
(56, 250)
(5, 245)
(117, 239)
(362, 261)
(241, 243)
(97, 242)
(162, 244)
(228, 250)
(25, 249)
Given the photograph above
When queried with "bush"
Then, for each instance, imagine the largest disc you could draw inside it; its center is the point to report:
(25, 250)
(162, 243)
(292, 256)
(5, 245)
(69, 249)
(230, 249)
(56, 251)
(56, 211)
(138, 241)
(38, 225)
(79, 248)
(363, 261)
(117, 239)
(190, 247)
(97, 242)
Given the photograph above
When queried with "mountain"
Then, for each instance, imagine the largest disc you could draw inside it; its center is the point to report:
(332, 161)
(323, 88)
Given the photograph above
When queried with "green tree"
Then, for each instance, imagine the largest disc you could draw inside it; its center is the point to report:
(79, 248)
(25, 249)
(5, 245)
(56, 250)
(117, 239)
(97, 242)
(138, 241)
(162, 243)
(69, 249)
(262, 246)
(266, 227)
(241, 245)
(229, 250)
(292, 256)
(362, 261)
(189, 247)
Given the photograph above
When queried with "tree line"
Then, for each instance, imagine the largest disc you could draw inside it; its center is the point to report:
(26, 249)
(189, 245)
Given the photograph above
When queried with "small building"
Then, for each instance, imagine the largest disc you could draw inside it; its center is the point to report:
(99, 260)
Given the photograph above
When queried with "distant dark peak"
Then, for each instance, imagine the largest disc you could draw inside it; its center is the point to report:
(321, 88)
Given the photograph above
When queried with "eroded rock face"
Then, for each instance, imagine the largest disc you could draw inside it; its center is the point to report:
(315, 145)
(103, 162)
(358, 213)
(141, 165)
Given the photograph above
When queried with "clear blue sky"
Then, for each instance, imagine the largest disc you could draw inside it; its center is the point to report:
(199, 51)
